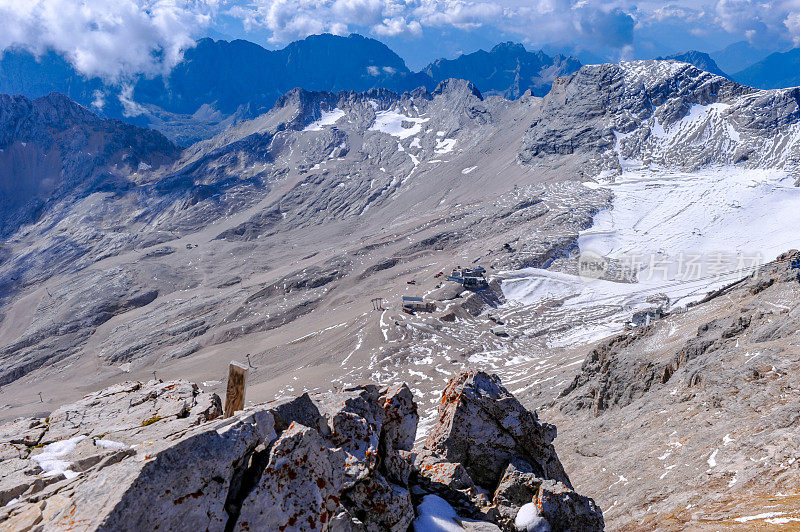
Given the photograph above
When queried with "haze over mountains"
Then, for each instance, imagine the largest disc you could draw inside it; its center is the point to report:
(220, 83)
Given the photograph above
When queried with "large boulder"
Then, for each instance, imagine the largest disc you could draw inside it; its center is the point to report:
(483, 427)
(491, 459)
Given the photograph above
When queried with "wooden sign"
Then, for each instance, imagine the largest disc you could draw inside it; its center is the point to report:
(237, 380)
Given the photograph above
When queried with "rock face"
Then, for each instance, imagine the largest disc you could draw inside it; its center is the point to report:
(51, 147)
(157, 456)
(489, 455)
(699, 408)
(666, 113)
(482, 427)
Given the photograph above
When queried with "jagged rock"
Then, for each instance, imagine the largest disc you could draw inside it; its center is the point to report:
(400, 427)
(152, 456)
(565, 510)
(519, 486)
(165, 483)
(488, 457)
(300, 487)
(344, 522)
(483, 427)
(156, 456)
(380, 505)
(129, 406)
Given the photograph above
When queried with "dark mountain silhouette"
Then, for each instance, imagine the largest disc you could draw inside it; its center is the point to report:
(508, 69)
(701, 60)
(776, 71)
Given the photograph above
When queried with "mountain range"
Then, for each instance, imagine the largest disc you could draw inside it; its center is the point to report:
(291, 236)
(221, 82)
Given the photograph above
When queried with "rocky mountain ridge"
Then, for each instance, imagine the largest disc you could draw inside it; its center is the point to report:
(664, 115)
(508, 70)
(52, 148)
(704, 399)
(293, 238)
(340, 461)
(221, 83)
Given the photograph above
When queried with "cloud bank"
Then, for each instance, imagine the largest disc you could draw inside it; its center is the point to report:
(107, 38)
(115, 39)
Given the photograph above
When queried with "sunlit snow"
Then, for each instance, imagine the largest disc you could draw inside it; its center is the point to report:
(391, 123)
(328, 118)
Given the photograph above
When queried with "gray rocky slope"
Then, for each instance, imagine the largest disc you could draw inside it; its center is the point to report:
(271, 239)
(706, 399)
(53, 148)
(157, 456)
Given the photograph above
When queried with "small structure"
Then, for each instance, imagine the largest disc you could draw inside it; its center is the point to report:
(644, 318)
(500, 331)
(471, 279)
(413, 304)
(377, 303)
(234, 395)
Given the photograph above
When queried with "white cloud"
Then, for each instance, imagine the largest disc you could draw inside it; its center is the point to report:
(287, 20)
(458, 13)
(762, 22)
(118, 38)
(391, 27)
(537, 20)
(108, 38)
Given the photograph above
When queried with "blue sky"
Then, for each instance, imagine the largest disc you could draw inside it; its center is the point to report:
(121, 37)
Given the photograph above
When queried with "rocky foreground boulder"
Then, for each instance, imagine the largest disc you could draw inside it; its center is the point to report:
(159, 456)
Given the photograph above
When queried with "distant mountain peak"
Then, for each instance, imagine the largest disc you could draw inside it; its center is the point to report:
(776, 71)
(509, 70)
(508, 46)
(238, 79)
(455, 86)
(701, 60)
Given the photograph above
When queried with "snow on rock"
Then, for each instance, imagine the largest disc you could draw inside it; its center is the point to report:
(109, 444)
(444, 146)
(712, 459)
(435, 515)
(391, 123)
(757, 517)
(338, 460)
(50, 458)
(679, 234)
(484, 434)
(529, 520)
(328, 118)
(706, 211)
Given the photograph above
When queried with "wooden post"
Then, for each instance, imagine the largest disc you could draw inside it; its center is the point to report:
(237, 380)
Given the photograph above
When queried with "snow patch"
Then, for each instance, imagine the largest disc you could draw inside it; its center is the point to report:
(712, 460)
(529, 520)
(444, 146)
(436, 515)
(109, 444)
(391, 123)
(328, 118)
(50, 458)
(765, 515)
